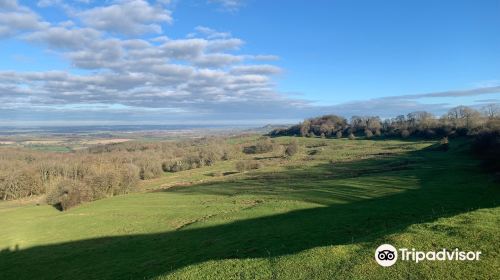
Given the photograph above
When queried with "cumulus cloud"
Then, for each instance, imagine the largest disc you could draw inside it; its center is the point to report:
(217, 60)
(202, 72)
(184, 48)
(60, 37)
(205, 73)
(131, 17)
(15, 19)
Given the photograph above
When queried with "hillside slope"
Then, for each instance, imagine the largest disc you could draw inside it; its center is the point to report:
(318, 215)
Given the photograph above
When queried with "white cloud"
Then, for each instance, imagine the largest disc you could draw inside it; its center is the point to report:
(453, 93)
(184, 48)
(209, 33)
(59, 37)
(228, 5)
(256, 69)
(206, 73)
(264, 57)
(217, 60)
(224, 44)
(127, 17)
(15, 19)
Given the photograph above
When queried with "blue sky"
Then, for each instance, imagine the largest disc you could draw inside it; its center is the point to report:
(249, 61)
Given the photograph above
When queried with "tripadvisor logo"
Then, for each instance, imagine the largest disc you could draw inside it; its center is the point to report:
(387, 255)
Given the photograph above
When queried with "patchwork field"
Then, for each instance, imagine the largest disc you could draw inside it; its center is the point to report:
(317, 215)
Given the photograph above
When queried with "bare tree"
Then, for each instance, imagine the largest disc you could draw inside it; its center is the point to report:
(464, 117)
(491, 111)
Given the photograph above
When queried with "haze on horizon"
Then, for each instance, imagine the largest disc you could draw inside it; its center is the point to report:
(242, 62)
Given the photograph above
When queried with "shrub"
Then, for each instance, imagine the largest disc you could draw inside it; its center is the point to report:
(405, 133)
(368, 133)
(129, 177)
(20, 183)
(291, 149)
(179, 166)
(102, 184)
(193, 161)
(352, 137)
(443, 144)
(208, 158)
(242, 166)
(166, 166)
(338, 134)
(262, 146)
(69, 193)
(149, 169)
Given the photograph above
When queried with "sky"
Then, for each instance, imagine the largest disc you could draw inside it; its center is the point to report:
(82, 62)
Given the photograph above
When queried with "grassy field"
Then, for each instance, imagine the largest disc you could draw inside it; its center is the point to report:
(318, 215)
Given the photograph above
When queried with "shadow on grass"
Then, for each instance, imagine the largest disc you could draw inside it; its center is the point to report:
(364, 214)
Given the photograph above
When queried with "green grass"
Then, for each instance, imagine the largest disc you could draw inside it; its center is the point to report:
(319, 215)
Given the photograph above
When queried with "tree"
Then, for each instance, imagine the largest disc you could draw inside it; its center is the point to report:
(400, 122)
(326, 128)
(464, 117)
(368, 133)
(305, 127)
(357, 123)
(491, 111)
(420, 120)
(327, 124)
(373, 123)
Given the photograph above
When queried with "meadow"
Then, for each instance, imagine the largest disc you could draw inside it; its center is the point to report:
(318, 214)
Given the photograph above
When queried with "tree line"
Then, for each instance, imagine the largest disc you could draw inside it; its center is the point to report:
(458, 121)
(69, 179)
